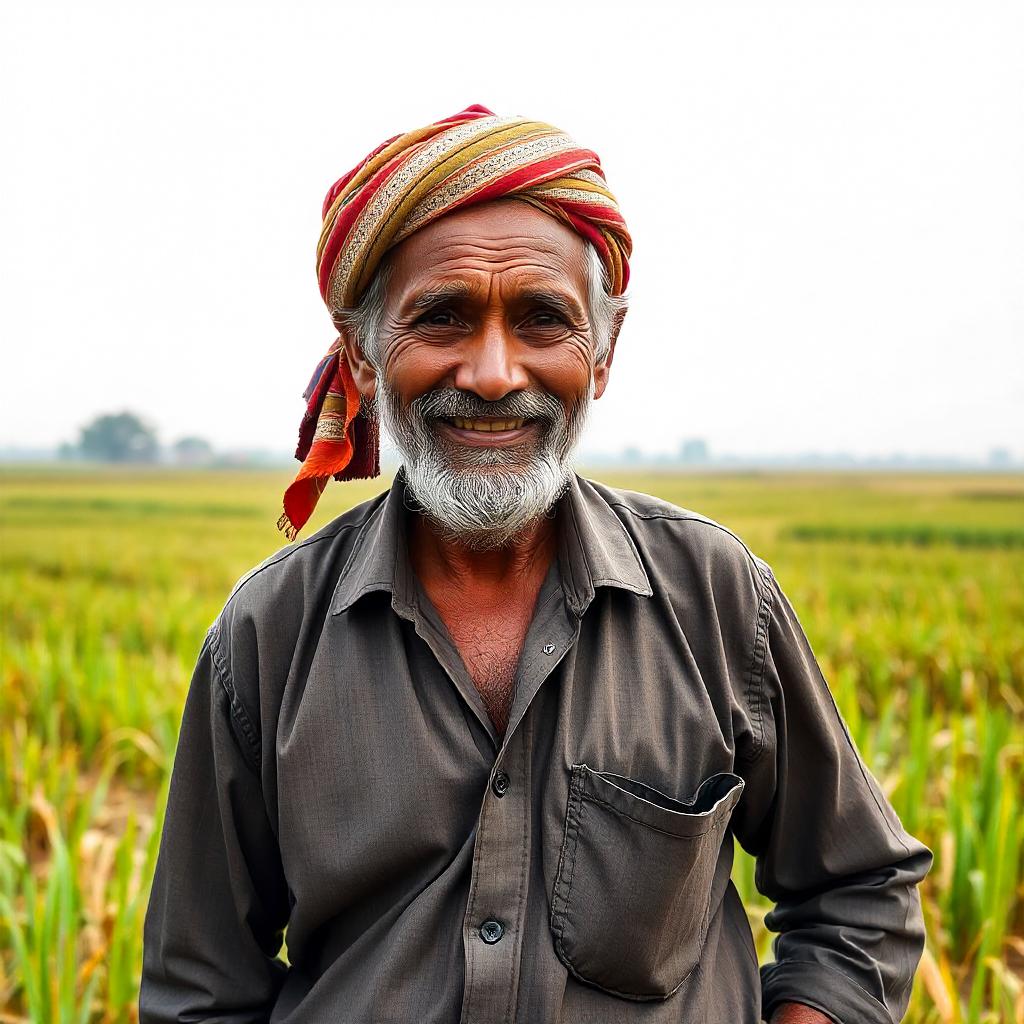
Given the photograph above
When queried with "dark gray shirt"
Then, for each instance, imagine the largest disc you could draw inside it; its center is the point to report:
(337, 773)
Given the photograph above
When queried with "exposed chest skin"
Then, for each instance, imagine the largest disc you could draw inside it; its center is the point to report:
(488, 629)
(486, 601)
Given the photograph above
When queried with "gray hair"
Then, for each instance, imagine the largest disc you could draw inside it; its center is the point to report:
(604, 309)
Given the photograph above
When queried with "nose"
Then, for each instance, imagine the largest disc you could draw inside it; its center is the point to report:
(490, 365)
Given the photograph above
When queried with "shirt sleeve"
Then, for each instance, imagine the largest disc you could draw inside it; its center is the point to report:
(830, 851)
(219, 901)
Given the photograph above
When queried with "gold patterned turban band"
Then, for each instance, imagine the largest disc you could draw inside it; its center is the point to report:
(404, 184)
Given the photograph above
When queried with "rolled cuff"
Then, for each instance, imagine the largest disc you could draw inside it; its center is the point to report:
(821, 987)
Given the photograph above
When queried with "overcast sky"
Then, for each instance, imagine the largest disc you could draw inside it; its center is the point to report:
(826, 202)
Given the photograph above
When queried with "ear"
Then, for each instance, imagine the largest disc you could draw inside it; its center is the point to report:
(603, 368)
(363, 372)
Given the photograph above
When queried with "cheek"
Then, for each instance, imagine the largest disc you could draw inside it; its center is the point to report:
(413, 367)
(564, 370)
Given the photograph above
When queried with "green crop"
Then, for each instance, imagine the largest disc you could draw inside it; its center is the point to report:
(910, 588)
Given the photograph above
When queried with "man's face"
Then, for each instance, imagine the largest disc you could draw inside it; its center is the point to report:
(486, 366)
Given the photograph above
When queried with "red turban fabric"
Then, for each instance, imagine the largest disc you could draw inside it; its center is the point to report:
(404, 184)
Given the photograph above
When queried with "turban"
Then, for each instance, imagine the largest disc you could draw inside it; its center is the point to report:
(404, 184)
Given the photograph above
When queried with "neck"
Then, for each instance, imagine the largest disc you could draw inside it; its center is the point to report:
(526, 556)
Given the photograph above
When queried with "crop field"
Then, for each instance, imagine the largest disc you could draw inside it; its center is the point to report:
(910, 588)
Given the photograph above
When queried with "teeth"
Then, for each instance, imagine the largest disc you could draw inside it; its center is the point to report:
(488, 426)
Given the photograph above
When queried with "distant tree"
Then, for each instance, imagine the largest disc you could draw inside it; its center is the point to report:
(67, 451)
(192, 451)
(119, 437)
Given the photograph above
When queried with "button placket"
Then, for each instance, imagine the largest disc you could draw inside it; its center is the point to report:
(495, 911)
(501, 851)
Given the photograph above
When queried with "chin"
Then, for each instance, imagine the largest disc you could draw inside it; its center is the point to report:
(466, 458)
(485, 507)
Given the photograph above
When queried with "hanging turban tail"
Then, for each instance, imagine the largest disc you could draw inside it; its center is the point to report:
(404, 184)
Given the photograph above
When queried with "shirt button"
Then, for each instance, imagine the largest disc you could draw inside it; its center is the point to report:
(491, 931)
(500, 784)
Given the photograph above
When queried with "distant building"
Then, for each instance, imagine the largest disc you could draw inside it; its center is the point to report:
(694, 450)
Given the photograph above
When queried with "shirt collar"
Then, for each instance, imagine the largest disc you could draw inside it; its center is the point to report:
(594, 550)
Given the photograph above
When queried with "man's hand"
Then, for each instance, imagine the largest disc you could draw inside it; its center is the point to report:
(797, 1013)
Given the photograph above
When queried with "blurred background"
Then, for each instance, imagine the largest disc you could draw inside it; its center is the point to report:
(823, 353)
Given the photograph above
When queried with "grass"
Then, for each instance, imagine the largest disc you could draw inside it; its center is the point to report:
(910, 588)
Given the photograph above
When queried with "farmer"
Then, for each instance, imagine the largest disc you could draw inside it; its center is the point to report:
(483, 742)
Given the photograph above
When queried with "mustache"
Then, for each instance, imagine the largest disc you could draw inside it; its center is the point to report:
(446, 403)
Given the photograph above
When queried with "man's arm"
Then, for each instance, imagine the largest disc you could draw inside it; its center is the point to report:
(795, 1013)
(219, 901)
(831, 852)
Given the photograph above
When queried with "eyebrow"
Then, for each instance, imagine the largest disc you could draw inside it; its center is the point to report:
(442, 293)
(454, 290)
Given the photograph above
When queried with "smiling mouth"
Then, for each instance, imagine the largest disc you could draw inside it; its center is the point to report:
(486, 425)
(488, 431)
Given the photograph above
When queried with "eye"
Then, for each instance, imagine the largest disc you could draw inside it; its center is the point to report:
(439, 317)
(545, 319)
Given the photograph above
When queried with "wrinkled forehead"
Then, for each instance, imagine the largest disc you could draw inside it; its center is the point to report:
(507, 244)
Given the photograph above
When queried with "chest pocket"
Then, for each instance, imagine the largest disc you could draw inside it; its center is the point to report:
(633, 889)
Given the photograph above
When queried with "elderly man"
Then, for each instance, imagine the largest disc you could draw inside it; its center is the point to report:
(482, 743)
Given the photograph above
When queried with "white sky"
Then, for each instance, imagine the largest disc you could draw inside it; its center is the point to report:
(826, 201)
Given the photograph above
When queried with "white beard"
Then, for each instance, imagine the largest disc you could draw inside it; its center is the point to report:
(483, 497)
